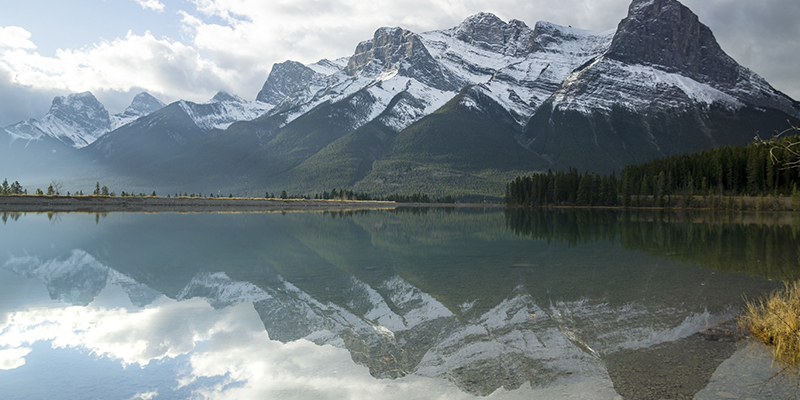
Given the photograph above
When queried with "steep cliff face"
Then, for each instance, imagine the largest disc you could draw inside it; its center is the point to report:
(400, 50)
(284, 80)
(488, 32)
(667, 34)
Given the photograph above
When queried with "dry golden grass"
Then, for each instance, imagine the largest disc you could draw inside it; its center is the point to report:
(775, 321)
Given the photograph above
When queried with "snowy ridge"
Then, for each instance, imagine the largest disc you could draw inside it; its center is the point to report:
(521, 69)
(25, 130)
(223, 110)
(635, 87)
(143, 104)
(329, 67)
(80, 119)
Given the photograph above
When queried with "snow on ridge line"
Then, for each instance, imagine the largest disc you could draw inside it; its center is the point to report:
(221, 115)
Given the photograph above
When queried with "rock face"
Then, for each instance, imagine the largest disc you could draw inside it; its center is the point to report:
(667, 34)
(396, 49)
(284, 80)
(489, 32)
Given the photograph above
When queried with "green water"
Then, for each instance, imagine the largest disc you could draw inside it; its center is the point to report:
(415, 303)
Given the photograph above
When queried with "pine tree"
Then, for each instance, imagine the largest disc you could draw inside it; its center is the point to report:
(584, 195)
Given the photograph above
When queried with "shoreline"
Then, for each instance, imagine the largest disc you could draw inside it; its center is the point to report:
(100, 204)
(43, 203)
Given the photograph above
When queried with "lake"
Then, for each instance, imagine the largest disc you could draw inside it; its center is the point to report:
(411, 303)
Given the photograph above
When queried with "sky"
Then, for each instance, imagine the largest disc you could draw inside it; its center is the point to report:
(190, 49)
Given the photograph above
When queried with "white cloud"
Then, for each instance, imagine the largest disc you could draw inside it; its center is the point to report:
(235, 348)
(13, 358)
(146, 396)
(16, 38)
(136, 61)
(154, 5)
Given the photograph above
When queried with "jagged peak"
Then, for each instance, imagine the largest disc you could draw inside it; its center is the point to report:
(284, 79)
(144, 102)
(74, 100)
(667, 34)
(222, 97)
(387, 46)
(488, 31)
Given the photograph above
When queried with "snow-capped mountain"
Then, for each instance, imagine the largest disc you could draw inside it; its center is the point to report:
(79, 119)
(222, 110)
(462, 110)
(143, 104)
(76, 120)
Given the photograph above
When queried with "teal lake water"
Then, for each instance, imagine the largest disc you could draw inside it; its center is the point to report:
(407, 304)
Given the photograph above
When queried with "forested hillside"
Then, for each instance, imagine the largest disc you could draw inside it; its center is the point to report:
(764, 168)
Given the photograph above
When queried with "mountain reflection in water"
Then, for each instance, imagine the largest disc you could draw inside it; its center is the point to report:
(431, 302)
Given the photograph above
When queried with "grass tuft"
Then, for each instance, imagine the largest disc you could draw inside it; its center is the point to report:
(775, 321)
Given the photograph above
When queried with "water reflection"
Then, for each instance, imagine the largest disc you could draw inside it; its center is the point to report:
(434, 302)
(759, 244)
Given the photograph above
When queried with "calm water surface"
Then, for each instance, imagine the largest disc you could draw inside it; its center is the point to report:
(425, 303)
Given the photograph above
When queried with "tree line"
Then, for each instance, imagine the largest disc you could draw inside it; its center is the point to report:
(765, 168)
(55, 188)
(14, 188)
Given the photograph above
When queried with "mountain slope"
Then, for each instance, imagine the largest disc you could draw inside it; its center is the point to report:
(470, 143)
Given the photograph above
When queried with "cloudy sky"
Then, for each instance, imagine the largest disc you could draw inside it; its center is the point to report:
(190, 49)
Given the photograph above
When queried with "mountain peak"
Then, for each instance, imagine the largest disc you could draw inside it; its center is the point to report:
(403, 51)
(489, 32)
(77, 103)
(388, 47)
(285, 78)
(667, 34)
(143, 103)
(222, 97)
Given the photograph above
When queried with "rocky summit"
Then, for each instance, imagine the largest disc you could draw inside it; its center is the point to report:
(456, 111)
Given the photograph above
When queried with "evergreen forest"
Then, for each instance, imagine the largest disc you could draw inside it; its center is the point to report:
(711, 178)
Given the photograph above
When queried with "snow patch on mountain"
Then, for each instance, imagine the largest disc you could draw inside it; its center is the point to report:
(422, 100)
(519, 82)
(80, 119)
(143, 104)
(329, 67)
(635, 87)
(223, 110)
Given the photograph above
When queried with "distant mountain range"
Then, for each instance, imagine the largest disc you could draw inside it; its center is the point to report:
(458, 111)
